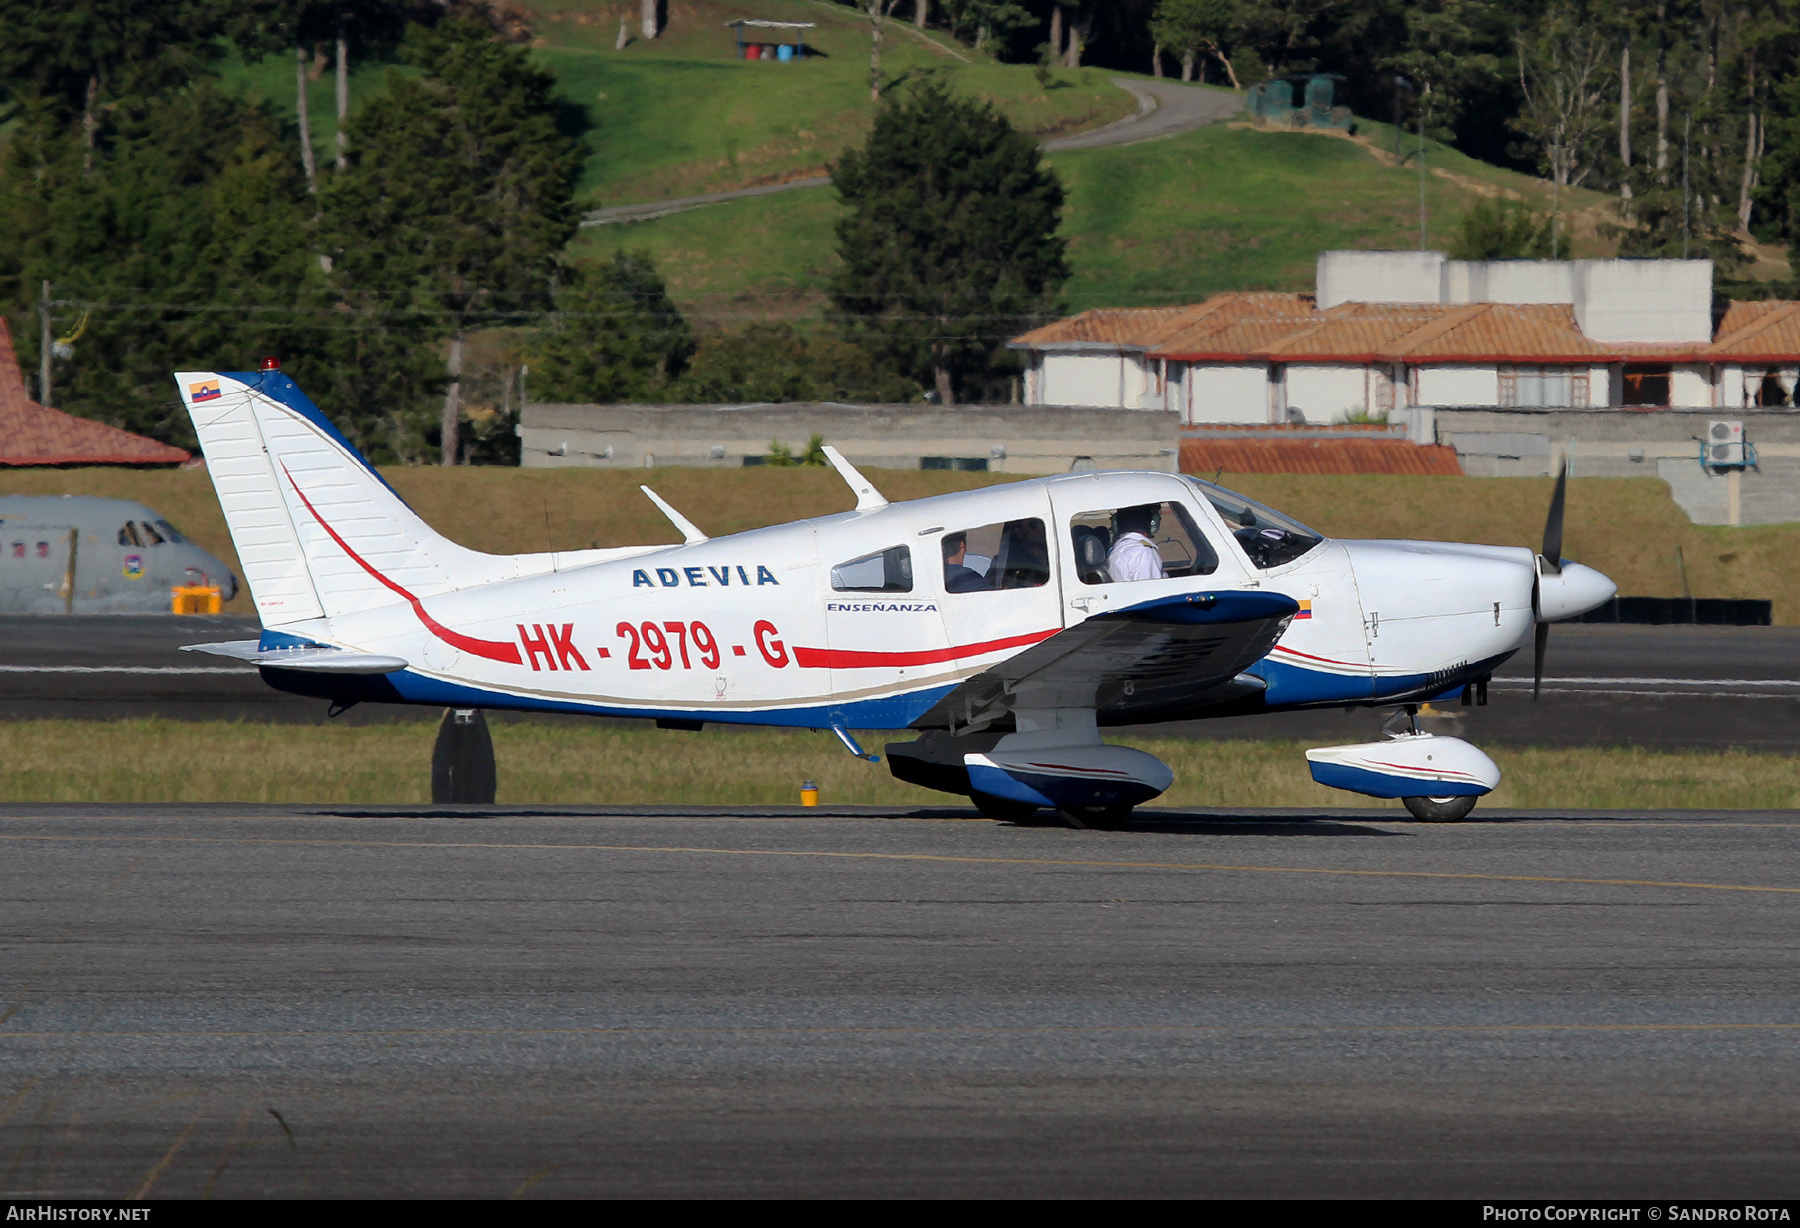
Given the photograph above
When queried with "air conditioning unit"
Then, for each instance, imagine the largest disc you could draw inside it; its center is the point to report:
(1724, 443)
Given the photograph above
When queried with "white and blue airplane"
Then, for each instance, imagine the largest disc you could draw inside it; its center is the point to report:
(988, 622)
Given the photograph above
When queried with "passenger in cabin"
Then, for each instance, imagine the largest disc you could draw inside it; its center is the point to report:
(1134, 555)
(958, 577)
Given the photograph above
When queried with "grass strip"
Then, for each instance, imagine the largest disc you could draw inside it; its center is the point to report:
(181, 761)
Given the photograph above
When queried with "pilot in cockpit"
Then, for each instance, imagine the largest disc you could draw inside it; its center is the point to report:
(1134, 555)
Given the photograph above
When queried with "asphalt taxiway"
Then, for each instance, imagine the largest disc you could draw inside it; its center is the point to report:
(1654, 686)
(547, 1001)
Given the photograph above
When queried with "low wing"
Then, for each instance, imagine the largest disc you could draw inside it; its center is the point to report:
(312, 660)
(1128, 665)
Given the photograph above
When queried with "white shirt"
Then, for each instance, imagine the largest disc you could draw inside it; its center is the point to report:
(1133, 557)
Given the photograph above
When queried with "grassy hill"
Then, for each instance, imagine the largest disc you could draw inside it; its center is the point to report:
(682, 114)
(1629, 528)
(1225, 207)
(1230, 206)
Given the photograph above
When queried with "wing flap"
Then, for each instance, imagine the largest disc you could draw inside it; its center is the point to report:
(1165, 655)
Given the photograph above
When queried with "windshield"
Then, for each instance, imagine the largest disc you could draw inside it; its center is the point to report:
(1268, 538)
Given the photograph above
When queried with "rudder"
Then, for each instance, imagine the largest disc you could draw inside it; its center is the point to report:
(318, 532)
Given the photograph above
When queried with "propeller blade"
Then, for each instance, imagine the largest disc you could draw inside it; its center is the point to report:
(1553, 524)
(1537, 662)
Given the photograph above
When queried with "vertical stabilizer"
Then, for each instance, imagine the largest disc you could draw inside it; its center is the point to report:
(317, 530)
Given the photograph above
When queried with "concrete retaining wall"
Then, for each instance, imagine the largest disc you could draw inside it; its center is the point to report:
(1622, 443)
(1000, 438)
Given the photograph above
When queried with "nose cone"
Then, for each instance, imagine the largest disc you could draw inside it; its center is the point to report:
(1576, 591)
(228, 587)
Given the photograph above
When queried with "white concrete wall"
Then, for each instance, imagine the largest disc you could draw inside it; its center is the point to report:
(1732, 393)
(1459, 385)
(1083, 380)
(1140, 383)
(1225, 392)
(1325, 393)
(1691, 387)
(1379, 277)
(1644, 300)
(1526, 281)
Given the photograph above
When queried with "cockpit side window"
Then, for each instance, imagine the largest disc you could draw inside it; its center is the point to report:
(1010, 554)
(170, 531)
(1138, 543)
(151, 536)
(885, 571)
(128, 535)
(1269, 539)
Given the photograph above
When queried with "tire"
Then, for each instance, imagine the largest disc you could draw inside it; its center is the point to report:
(1095, 818)
(1439, 809)
(1002, 809)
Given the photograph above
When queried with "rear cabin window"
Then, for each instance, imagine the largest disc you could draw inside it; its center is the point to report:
(1010, 554)
(1180, 546)
(885, 571)
(1268, 538)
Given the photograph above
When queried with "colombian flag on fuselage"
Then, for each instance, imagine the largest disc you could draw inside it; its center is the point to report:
(205, 390)
(1305, 606)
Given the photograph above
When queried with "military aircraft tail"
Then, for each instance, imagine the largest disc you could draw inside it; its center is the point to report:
(319, 533)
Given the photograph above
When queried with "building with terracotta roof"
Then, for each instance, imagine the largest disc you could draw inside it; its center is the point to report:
(1386, 331)
(31, 434)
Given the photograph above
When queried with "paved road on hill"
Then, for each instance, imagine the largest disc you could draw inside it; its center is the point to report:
(1659, 686)
(1164, 108)
(242, 1001)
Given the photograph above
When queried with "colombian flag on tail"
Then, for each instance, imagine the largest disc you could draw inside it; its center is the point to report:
(205, 390)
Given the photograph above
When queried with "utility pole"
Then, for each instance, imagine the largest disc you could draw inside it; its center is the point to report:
(1687, 126)
(44, 393)
(1422, 171)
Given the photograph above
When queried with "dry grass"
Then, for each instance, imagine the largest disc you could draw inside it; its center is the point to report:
(172, 761)
(1628, 527)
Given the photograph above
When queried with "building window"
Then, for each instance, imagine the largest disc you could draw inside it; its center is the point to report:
(1646, 384)
(1768, 391)
(1543, 387)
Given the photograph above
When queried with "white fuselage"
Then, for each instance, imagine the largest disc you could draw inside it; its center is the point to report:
(750, 628)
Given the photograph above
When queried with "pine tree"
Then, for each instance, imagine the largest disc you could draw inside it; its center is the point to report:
(459, 194)
(949, 245)
(615, 336)
(87, 53)
(181, 242)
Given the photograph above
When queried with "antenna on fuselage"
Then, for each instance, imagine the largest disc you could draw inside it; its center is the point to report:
(690, 535)
(867, 497)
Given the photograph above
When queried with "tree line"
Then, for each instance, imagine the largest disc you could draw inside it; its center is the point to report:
(153, 220)
(1688, 111)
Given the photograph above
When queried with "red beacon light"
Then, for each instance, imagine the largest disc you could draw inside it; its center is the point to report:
(271, 363)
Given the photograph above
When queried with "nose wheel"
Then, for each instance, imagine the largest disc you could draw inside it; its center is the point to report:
(1439, 809)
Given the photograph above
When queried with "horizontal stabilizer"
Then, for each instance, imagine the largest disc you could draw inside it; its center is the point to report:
(315, 660)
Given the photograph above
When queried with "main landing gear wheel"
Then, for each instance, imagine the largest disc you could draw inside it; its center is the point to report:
(1003, 809)
(1095, 818)
(1439, 809)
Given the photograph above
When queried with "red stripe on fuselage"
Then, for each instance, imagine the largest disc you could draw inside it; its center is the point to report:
(493, 650)
(847, 658)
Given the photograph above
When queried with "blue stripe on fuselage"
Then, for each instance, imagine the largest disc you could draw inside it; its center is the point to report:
(407, 687)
